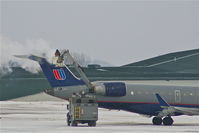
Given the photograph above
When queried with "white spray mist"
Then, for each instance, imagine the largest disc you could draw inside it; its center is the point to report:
(8, 48)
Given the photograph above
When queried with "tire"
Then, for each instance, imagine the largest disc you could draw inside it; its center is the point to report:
(157, 121)
(68, 119)
(68, 122)
(168, 121)
(92, 124)
(74, 123)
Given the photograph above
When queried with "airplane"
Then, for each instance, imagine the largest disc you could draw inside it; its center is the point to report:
(181, 67)
(160, 101)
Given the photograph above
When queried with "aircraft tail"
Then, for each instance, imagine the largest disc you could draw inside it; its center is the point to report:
(57, 76)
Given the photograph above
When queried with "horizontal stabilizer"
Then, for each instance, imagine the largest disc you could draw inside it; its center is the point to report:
(32, 57)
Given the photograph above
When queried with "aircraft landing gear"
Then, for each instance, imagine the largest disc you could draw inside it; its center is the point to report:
(157, 121)
(166, 121)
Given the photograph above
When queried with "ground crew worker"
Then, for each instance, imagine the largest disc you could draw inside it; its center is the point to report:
(57, 59)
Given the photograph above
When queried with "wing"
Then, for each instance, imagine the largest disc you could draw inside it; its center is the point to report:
(169, 110)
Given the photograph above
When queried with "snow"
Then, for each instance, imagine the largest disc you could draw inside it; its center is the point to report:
(50, 117)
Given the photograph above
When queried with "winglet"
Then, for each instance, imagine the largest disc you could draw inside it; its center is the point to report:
(161, 101)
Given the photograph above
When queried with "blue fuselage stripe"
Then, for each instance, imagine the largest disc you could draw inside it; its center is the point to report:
(141, 108)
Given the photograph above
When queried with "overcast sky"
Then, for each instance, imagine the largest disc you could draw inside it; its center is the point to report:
(118, 32)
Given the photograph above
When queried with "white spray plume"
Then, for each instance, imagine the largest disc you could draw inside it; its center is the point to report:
(8, 48)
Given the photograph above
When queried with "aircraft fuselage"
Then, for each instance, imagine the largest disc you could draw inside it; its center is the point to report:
(140, 95)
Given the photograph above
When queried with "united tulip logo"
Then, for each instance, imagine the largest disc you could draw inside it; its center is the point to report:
(59, 74)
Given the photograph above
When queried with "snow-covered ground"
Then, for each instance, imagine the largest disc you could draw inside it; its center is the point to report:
(49, 117)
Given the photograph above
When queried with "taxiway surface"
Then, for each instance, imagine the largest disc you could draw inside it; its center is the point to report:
(50, 117)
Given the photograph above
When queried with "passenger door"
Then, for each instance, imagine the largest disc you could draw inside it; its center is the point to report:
(177, 96)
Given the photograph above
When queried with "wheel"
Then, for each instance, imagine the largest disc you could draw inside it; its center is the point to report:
(92, 124)
(168, 121)
(68, 119)
(68, 122)
(157, 121)
(74, 124)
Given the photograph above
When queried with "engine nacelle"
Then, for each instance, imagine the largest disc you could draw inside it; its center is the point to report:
(112, 89)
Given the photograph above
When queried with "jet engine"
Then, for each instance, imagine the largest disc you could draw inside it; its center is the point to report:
(111, 89)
